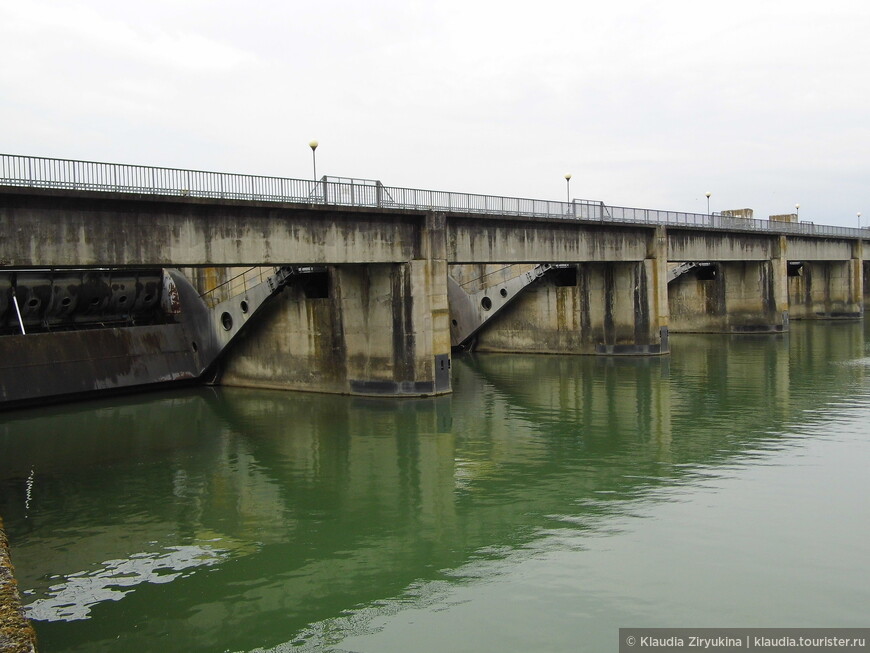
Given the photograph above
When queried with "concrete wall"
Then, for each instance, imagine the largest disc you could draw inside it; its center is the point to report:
(382, 330)
(55, 229)
(741, 296)
(476, 239)
(608, 309)
(695, 245)
(820, 249)
(825, 289)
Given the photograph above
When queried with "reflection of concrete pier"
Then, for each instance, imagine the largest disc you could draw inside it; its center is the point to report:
(345, 500)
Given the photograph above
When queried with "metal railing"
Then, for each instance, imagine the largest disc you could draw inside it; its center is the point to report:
(40, 172)
(238, 284)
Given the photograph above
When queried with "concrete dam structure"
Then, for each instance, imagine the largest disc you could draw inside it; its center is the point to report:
(348, 286)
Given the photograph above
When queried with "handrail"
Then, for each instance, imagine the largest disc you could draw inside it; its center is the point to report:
(42, 172)
(238, 284)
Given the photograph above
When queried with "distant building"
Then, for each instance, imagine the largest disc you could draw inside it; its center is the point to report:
(738, 213)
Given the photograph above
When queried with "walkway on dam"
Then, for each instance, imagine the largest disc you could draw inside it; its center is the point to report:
(40, 172)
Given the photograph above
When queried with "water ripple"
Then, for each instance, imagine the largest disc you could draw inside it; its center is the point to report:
(74, 598)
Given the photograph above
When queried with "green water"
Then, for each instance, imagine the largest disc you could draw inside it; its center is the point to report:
(545, 504)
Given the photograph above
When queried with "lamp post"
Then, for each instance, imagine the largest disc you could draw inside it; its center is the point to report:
(859, 219)
(568, 184)
(708, 193)
(797, 211)
(313, 145)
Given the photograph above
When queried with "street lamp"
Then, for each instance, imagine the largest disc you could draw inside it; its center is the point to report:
(859, 219)
(568, 183)
(313, 145)
(797, 211)
(708, 193)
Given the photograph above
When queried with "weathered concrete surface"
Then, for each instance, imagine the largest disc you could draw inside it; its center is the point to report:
(696, 245)
(825, 290)
(820, 249)
(16, 633)
(481, 239)
(729, 297)
(587, 308)
(379, 323)
(376, 329)
(381, 330)
(471, 308)
(44, 228)
(607, 308)
(57, 228)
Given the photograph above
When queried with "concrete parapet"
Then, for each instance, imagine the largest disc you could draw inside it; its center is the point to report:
(16, 633)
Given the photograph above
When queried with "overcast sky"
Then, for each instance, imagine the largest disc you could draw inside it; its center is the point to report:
(651, 104)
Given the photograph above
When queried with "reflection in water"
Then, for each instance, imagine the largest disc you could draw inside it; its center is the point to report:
(73, 598)
(232, 519)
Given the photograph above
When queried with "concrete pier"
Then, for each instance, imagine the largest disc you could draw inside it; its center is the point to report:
(823, 290)
(588, 308)
(358, 329)
(729, 297)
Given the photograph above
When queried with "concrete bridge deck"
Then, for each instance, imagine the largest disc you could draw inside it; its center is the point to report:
(157, 216)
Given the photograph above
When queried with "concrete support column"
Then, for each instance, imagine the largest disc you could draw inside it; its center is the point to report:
(657, 261)
(866, 279)
(779, 280)
(857, 265)
(369, 329)
(395, 331)
(629, 321)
